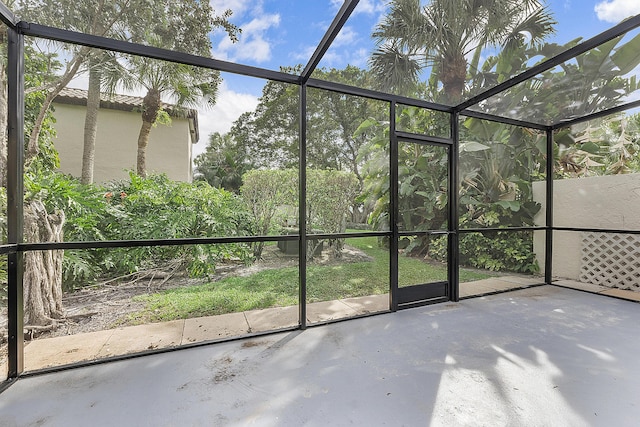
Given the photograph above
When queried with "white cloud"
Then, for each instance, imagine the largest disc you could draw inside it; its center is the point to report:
(220, 118)
(237, 6)
(615, 11)
(371, 6)
(253, 44)
(344, 50)
(303, 54)
(364, 6)
(346, 36)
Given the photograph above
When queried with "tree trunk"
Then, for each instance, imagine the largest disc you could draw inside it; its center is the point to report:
(150, 109)
(454, 75)
(143, 142)
(91, 121)
(72, 69)
(42, 269)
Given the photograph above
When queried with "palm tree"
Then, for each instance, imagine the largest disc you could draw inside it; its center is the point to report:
(180, 26)
(187, 86)
(443, 34)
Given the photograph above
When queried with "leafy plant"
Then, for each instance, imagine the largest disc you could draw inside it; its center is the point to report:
(494, 251)
(158, 208)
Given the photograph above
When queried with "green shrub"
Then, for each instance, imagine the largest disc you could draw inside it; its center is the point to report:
(493, 250)
(141, 208)
(158, 208)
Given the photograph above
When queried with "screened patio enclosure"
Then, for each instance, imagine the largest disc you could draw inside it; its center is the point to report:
(359, 190)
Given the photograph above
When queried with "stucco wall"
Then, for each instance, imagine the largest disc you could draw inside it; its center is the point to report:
(608, 202)
(169, 149)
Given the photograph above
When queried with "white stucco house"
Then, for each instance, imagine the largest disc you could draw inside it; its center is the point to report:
(119, 122)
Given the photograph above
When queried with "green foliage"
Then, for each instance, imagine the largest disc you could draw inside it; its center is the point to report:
(270, 133)
(157, 208)
(607, 146)
(330, 194)
(223, 163)
(40, 70)
(141, 208)
(494, 251)
(263, 192)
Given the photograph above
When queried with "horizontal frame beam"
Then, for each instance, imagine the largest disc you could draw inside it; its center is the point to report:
(596, 115)
(25, 247)
(423, 139)
(494, 229)
(8, 249)
(376, 95)
(505, 120)
(82, 39)
(596, 230)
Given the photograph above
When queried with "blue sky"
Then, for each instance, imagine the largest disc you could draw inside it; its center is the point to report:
(285, 33)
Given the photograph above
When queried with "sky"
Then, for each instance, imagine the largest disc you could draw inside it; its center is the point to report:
(279, 33)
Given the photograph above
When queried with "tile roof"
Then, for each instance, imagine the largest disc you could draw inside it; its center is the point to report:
(125, 103)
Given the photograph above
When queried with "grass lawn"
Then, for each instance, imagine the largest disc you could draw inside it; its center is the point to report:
(279, 287)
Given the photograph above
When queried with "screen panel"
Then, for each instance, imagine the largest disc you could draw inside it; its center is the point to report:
(120, 301)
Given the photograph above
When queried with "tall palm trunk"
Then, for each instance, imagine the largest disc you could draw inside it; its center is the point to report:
(454, 76)
(150, 108)
(91, 121)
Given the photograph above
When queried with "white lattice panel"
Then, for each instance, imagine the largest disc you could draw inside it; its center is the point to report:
(610, 259)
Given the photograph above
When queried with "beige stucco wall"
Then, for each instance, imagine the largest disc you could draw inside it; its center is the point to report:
(608, 202)
(169, 149)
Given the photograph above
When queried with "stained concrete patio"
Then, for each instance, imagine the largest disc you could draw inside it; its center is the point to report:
(543, 356)
(65, 350)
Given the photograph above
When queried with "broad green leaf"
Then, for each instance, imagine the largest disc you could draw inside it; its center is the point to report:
(471, 146)
(564, 138)
(364, 126)
(590, 147)
(627, 56)
(514, 205)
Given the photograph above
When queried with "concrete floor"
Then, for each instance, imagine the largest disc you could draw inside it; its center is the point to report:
(543, 356)
(68, 349)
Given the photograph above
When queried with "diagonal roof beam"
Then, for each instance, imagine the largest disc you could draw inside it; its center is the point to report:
(505, 120)
(66, 36)
(583, 47)
(343, 14)
(596, 115)
(7, 16)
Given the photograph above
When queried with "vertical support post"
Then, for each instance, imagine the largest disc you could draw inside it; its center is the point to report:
(302, 211)
(453, 259)
(15, 160)
(548, 251)
(393, 209)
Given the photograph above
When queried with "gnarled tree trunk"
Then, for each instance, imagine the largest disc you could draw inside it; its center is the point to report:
(43, 269)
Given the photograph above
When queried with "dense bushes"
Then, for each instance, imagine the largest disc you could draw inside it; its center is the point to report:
(492, 250)
(142, 208)
(330, 194)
